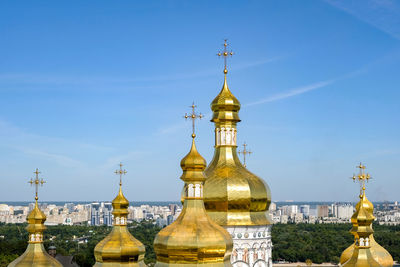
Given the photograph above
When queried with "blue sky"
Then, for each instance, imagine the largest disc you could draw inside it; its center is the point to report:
(85, 85)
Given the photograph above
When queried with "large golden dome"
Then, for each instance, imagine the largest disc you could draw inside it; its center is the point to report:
(232, 194)
(193, 239)
(119, 248)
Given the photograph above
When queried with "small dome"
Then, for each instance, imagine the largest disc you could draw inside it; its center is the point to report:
(191, 163)
(119, 248)
(35, 254)
(225, 106)
(380, 254)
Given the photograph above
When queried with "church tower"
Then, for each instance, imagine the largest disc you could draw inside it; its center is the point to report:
(363, 217)
(119, 248)
(234, 197)
(193, 239)
(35, 255)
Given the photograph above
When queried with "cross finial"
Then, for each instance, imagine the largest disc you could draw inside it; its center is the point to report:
(120, 172)
(37, 182)
(244, 152)
(193, 116)
(361, 178)
(225, 53)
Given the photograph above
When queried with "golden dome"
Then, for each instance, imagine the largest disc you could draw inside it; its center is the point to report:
(362, 220)
(365, 251)
(381, 255)
(119, 248)
(225, 106)
(193, 238)
(232, 194)
(35, 255)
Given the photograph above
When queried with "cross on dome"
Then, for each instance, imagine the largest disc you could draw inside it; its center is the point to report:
(244, 152)
(361, 177)
(193, 116)
(37, 182)
(225, 53)
(120, 172)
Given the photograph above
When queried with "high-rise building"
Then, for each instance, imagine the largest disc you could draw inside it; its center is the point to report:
(193, 239)
(305, 209)
(95, 214)
(119, 248)
(107, 214)
(344, 211)
(322, 211)
(234, 197)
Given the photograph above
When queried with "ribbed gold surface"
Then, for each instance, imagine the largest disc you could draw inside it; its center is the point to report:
(232, 194)
(119, 248)
(35, 254)
(193, 239)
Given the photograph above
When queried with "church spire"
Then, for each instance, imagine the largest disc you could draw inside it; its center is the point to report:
(120, 248)
(35, 254)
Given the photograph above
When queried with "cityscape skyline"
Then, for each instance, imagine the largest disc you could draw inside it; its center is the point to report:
(80, 96)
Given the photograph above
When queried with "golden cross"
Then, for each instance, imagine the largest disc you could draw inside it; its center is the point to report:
(36, 182)
(361, 178)
(244, 152)
(120, 172)
(193, 116)
(225, 53)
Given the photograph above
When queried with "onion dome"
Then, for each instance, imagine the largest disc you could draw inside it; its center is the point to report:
(365, 251)
(380, 254)
(35, 254)
(119, 248)
(225, 105)
(233, 196)
(193, 239)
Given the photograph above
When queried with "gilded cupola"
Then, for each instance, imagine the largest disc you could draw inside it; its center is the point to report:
(193, 239)
(35, 254)
(233, 196)
(119, 248)
(380, 254)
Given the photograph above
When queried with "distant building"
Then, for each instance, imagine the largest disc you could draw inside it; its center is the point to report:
(95, 214)
(305, 209)
(107, 214)
(322, 211)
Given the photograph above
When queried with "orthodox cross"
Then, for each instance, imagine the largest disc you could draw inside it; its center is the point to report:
(244, 152)
(361, 178)
(193, 116)
(120, 172)
(225, 53)
(37, 182)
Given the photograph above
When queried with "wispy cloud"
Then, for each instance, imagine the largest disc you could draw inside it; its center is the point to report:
(59, 159)
(292, 92)
(381, 14)
(57, 79)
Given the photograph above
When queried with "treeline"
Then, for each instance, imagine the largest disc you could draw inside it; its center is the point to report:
(15, 241)
(325, 242)
(292, 242)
